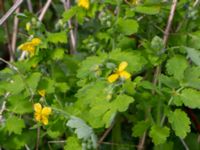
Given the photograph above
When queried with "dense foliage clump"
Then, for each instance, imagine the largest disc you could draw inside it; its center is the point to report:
(102, 74)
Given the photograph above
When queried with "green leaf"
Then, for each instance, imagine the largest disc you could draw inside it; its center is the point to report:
(58, 54)
(129, 87)
(135, 59)
(192, 77)
(59, 37)
(16, 85)
(157, 44)
(139, 128)
(169, 81)
(33, 80)
(82, 130)
(127, 26)
(16, 142)
(14, 125)
(159, 134)
(176, 66)
(47, 84)
(19, 104)
(121, 103)
(191, 98)
(69, 13)
(180, 122)
(194, 40)
(194, 55)
(72, 143)
(88, 66)
(62, 87)
(149, 10)
(165, 146)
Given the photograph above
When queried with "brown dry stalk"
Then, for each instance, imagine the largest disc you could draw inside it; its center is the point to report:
(158, 68)
(72, 31)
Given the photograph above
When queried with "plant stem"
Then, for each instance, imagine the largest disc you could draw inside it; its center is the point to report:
(105, 134)
(38, 138)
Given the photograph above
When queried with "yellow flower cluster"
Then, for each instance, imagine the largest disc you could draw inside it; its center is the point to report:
(84, 3)
(30, 46)
(120, 73)
(41, 114)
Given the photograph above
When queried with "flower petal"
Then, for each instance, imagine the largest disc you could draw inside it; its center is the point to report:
(37, 116)
(35, 41)
(125, 75)
(112, 78)
(46, 111)
(37, 107)
(84, 3)
(45, 120)
(122, 66)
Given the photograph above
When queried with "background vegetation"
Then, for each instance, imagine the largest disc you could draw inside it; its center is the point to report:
(100, 74)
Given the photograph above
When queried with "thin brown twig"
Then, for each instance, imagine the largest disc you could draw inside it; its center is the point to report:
(15, 30)
(166, 37)
(105, 134)
(158, 68)
(38, 138)
(142, 142)
(30, 6)
(10, 11)
(44, 10)
(6, 28)
(72, 31)
(169, 23)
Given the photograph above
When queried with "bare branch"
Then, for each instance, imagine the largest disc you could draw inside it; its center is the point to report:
(29, 4)
(72, 32)
(15, 30)
(44, 10)
(169, 23)
(10, 11)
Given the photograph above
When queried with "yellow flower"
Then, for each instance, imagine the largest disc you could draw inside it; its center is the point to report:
(120, 73)
(30, 46)
(35, 41)
(42, 93)
(84, 3)
(41, 114)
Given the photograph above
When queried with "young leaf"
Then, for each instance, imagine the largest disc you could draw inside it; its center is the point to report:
(16, 85)
(127, 26)
(191, 98)
(169, 81)
(180, 122)
(149, 10)
(192, 77)
(19, 104)
(14, 125)
(72, 143)
(176, 66)
(135, 60)
(59, 37)
(33, 80)
(194, 55)
(82, 130)
(121, 103)
(139, 128)
(159, 134)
